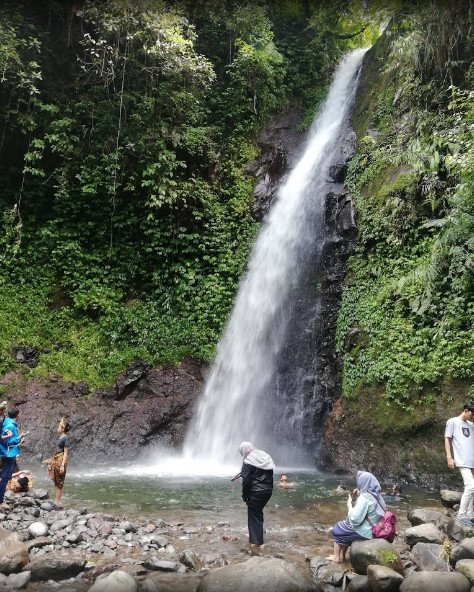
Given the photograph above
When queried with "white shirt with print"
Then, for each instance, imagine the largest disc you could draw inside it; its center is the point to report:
(461, 433)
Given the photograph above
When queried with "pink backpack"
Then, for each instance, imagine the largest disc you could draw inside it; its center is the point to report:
(385, 527)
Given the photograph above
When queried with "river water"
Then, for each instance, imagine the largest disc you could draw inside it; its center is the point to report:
(206, 514)
(198, 497)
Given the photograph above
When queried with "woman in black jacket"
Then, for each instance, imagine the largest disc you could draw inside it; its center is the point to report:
(257, 489)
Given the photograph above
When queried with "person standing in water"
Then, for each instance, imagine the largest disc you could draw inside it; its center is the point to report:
(9, 449)
(257, 489)
(57, 465)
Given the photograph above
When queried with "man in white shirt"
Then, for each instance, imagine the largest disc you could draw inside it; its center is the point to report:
(459, 446)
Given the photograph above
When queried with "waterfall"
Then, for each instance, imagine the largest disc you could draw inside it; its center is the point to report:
(239, 401)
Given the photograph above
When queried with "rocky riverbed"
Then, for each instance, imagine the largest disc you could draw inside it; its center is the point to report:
(46, 547)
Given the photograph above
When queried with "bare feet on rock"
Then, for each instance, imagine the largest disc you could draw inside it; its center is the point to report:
(256, 549)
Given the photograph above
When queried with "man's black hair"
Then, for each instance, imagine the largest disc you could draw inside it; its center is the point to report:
(13, 413)
(23, 482)
(469, 406)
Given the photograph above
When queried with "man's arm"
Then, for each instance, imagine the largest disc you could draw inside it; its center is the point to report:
(449, 453)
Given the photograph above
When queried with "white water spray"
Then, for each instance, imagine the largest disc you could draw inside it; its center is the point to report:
(236, 399)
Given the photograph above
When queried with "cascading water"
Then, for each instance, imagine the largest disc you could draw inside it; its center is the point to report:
(238, 402)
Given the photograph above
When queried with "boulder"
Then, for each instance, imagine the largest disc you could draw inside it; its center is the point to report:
(190, 560)
(374, 552)
(466, 567)
(128, 526)
(154, 563)
(425, 516)
(423, 533)
(258, 574)
(459, 531)
(55, 567)
(463, 550)
(117, 581)
(383, 579)
(430, 557)
(441, 582)
(38, 529)
(359, 584)
(40, 494)
(450, 498)
(18, 581)
(13, 552)
(326, 571)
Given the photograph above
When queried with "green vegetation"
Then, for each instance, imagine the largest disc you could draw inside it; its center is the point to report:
(125, 131)
(406, 321)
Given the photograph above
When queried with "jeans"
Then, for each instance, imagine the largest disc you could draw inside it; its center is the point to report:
(7, 471)
(256, 502)
(467, 498)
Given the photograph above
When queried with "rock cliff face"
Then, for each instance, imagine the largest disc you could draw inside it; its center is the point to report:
(281, 144)
(147, 407)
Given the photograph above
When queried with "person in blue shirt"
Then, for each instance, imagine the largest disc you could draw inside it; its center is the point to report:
(369, 508)
(9, 450)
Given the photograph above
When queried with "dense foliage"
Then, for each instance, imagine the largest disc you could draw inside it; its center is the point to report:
(406, 322)
(126, 128)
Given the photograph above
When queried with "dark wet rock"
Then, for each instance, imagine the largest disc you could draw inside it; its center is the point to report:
(359, 584)
(155, 563)
(13, 552)
(117, 581)
(383, 579)
(340, 212)
(280, 146)
(430, 557)
(374, 552)
(442, 582)
(25, 354)
(326, 571)
(450, 498)
(424, 533)
(463, 550)
(258, 574)
(55, 567)
(124, 383)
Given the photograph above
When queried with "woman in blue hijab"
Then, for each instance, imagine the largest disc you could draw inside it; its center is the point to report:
(369, 508)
